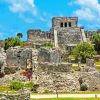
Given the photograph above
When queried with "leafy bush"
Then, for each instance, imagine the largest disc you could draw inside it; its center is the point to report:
(16, 85)
(83, 87)
(29, 85)
(96, 41)
(83, 51)
(12, 42)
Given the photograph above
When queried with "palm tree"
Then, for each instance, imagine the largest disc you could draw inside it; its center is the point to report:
(19, 35)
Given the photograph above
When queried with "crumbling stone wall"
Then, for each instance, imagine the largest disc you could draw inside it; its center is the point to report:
(49, 55)
(49, 67)
(17, 57)
(2, 60)
(91, 79)
(61, 81)
(35, 35)
(15, 96)
(69, 36)
(35, 38)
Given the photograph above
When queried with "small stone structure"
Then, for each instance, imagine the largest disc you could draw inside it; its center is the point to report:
(17, 57)
(23, 96)
(49, 55)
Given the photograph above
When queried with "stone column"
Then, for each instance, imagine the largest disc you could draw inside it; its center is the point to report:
(55, 38)
(83, 35)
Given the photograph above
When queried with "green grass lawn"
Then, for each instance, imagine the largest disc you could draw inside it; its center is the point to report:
(69, 99)
(5, 89)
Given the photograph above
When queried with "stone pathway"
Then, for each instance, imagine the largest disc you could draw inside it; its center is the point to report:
(66, 96)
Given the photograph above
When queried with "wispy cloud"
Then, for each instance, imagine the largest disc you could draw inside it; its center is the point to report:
(88, 10)
(21, 7)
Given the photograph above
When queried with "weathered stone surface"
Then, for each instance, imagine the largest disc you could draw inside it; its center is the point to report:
(17, 57)
(92, 79)
(24, 96)
(68, 36)
(2, 60)
(90, 66)
(67, 33)
(62, 81)
(90, 63)
(56, 21)
(49, 55)
(6, 80)
(49, 67)
(35, 35)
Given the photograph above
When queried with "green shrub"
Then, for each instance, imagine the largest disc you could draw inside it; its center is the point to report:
(29, 85)
(83, 87)
(16, 85)
(83, 51)
(96, 40)
(12, 42)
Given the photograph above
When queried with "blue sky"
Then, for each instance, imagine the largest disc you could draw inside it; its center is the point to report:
(21, 15)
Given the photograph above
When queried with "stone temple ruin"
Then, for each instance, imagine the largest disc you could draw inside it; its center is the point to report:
(49, 70)
(64, 33)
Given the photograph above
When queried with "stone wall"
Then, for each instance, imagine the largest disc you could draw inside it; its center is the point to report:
(56, 21)
(17, 57)
(15, 96)
(69, 36)
(68, 32)
(2, 60)
(61, 81)
(49, 67)
(49, 55)
(35, 35)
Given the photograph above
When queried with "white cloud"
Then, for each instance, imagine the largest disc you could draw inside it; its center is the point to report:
(23, 7)
(91, 4)
(89, 11)
(85, 13)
